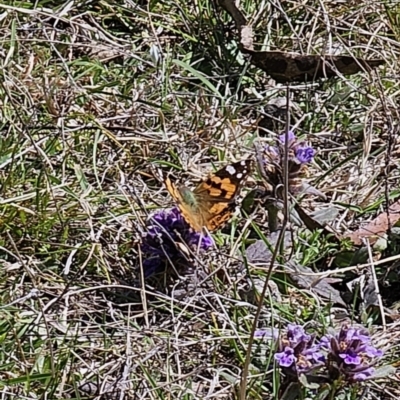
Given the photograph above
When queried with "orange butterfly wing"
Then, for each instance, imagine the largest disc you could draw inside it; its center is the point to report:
(211, 204)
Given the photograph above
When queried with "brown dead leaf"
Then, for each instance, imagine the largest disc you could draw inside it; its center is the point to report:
(378, 227)
(288, 67)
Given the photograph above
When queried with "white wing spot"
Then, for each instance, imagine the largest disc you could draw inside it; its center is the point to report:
(231, 169)
(239, 175)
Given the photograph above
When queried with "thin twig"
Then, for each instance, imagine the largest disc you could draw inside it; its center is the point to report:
(245, 372)
(378, 295)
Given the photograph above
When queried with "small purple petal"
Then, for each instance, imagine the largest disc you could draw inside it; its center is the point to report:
(267, 333)
(285, 358)
(305, 154)
(348, 335)
(260, 334)
(362, 336)
(193, 239)
(314, 355)
(351, 358)
(371, 351)
(296, 334)
(325, 342)
(362, 376)
(291, 137)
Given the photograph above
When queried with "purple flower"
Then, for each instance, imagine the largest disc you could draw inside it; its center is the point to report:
(351, 354)
(297, 352)
(305, 154)
(286, 358)
(296, 334)
(291, 137)
(299, 154)
(348, 355)
(351, 358)
(160, 245)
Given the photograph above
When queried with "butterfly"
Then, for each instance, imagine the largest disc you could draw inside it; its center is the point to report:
(212, 202)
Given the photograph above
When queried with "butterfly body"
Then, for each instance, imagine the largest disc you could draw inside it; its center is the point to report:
(211, 203)
(188, 197)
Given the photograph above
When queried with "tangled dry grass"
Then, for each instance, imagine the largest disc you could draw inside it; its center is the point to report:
(89, 119)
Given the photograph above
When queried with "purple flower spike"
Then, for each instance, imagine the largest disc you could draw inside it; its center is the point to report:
(304, 154)
(297, 352)
(347, 355)
(299, 154)
(351, 353)
(164, 230)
